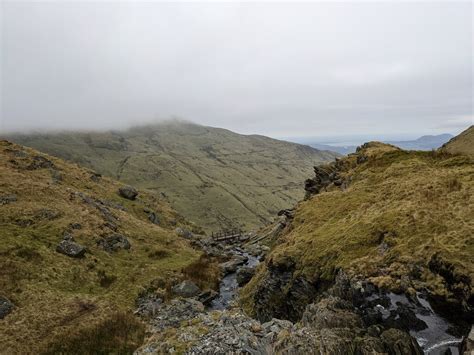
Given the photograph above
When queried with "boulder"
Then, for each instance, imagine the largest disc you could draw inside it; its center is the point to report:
(468, 345)
(6, 199)
(231, 266)
(70, 248)
(153, 218)
(183, 232)
(186, 289)
(128, 192)
(114, 242)
(40, 162)
(5, 307)
(244, 275)
(207, 297)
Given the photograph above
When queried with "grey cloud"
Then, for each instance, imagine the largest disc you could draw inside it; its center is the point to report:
(282, 69)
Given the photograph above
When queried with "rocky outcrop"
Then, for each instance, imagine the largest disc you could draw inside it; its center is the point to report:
(244, 275)
(280, 295)
(186, 289)
(325, 175)
(6, 199)
(232, 265)
(40, 162)
(128, 192)
(6, 306)
(114, 243)
(71, 248)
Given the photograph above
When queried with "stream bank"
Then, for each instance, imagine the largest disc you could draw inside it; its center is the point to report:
(352, 316)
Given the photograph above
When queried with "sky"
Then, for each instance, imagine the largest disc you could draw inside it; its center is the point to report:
(278, 69)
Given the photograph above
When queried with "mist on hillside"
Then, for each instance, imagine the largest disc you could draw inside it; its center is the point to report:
(275, 69)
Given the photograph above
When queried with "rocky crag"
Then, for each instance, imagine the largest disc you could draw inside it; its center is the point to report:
(382, 243)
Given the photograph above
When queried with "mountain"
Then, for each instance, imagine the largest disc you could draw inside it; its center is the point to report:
(461, 144)
(212, 176)
(383, 240)
(423, 143)
(427, 142)
(74, 256)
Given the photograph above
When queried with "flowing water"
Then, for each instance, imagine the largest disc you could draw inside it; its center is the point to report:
(228, 286)
(435, 339)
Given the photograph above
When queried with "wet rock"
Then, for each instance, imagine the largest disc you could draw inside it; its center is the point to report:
(207, 297)
(468, 345)
(186, 289)
(128, 192)
(70, 248)
(244, 275)
(280, 295)
(6, 199)
(331, 312)
(398, 342)
(114, 242)
(6, 306)
(40, 162)
(232, 265)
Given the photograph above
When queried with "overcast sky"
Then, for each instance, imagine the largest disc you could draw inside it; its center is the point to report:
(280, 69)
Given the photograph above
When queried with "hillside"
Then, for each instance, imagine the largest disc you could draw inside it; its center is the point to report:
(461, 144)
(74, 255)
(213, 177)
(395, 220)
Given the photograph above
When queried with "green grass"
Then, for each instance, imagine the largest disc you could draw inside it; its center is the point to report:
(418, 203)
(49, 289)
(213, 177)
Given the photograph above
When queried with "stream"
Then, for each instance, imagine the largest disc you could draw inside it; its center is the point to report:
(228, 287)
(435, 339)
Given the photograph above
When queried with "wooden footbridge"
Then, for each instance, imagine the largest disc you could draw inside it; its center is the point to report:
(232, 235)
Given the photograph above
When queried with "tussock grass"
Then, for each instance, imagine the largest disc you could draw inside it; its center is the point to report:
(417, 203)
(46, 286)
(213, 177)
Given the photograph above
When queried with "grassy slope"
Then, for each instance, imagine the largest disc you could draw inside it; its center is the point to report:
(461, 144)
(57, 297)
(419, 203)
(214, 177)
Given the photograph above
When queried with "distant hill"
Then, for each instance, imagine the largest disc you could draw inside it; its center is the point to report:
(115, 247)
(423, 143)
(461, 144)
(214, 177)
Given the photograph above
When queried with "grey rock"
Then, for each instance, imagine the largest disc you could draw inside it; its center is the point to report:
(183, 232)
(6, 199)
(153, 218)
(40, 162)
(114, 242)
(232, 265)
(70, 248)
(186, 288)
(6, 306)
(95, 177)
(207, 297)
(128, 192)
(244, 275)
